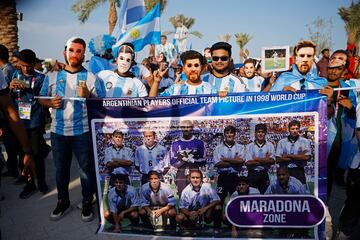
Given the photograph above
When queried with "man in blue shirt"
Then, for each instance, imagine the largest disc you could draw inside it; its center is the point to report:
(303, 74)
(26, 84)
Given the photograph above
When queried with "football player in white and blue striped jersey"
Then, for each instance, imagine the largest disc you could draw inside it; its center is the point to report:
(150, 156)
(69, 126)
(193, 63)
(260, 154)
(117, 156)
(123, 201)
(220, 77)
(121, 82)
(253, 82)
(294, 151)
(228, 158)
(199, 203)
(157, 198)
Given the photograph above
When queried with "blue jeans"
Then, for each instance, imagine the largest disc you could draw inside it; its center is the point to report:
(62, 148)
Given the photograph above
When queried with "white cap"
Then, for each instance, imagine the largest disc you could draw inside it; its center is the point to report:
(70, 40)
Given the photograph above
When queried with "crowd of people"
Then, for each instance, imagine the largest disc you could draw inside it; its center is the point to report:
(27, 94)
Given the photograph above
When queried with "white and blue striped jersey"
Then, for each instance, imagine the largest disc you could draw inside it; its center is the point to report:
(288, 146)
(151, 158)
(119, 203)
(163, 197)
(252, 191)
(254, 150)
(193, 200)
(294, 186)
(165, 83)
(253, 84)
(224, 150)
(71, 119)
(123, 153)
(187, 89)
(229, 83)
(112, 85)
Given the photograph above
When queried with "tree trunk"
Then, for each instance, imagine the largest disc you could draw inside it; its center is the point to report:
(241, 54)
(112, 16)
(8, 27)
(351, 37)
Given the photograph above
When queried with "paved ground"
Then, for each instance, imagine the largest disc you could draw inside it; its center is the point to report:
(29, 219)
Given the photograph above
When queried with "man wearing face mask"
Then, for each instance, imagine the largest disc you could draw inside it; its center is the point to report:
(121, 82)
(69, 126)
(220, 76)
(303, 74)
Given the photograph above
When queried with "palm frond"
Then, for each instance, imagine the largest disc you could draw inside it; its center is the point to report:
(197, 34)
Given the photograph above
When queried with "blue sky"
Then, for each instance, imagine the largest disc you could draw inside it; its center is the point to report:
(48, 24)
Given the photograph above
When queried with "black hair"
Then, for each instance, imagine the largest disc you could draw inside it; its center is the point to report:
(221, 45)
(230, 128)
(294, 123)
(190, 55)
(260, 126)
(4, 53)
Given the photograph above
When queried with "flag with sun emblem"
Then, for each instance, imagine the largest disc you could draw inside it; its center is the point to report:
(146, 31)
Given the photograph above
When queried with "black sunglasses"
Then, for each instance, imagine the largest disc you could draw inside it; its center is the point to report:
(222, 58)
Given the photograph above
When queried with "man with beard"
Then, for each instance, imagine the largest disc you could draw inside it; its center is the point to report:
(186, 153)
(121, 82)
(303, 74)
(228, 159)
(220, 76)
(150, 156)
(341, 124)
(260, 154)
(252, 82)
(69, 126)
(193, 63)
(157, 200)
(294, 151)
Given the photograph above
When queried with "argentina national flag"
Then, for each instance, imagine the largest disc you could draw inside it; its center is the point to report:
(146, 31)
(130, 13)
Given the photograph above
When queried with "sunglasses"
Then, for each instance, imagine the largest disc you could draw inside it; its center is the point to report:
(222, 58)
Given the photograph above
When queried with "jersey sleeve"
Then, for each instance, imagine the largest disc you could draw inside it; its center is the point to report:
(45, 91)
(112, 201)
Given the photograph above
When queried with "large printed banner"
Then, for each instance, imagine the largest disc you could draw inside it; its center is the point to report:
(250, 165)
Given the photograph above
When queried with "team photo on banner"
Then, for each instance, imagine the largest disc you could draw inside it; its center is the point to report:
(249, 165)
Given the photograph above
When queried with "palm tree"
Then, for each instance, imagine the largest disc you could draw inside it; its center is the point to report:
(84, 8)
(242, 39)
(8, 28)
(351, 17)
(180, 19)
(225, 37)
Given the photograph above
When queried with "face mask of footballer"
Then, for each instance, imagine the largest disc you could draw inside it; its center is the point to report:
(124, 62)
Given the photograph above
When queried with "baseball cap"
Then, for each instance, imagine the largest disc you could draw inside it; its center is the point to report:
(336, 63)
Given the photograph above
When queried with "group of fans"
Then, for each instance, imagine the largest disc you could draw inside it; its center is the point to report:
(64, 89)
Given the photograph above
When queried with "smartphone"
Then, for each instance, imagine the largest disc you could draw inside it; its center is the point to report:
(344, 93)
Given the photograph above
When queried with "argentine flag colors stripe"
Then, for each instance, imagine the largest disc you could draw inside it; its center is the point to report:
(146, 31)
(130, 13)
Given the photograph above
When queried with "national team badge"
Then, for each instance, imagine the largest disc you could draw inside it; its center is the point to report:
(109, 85)
(129, 92)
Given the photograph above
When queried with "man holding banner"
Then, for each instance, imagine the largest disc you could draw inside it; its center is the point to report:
(304, 73)
(63, 92)
(121, 82)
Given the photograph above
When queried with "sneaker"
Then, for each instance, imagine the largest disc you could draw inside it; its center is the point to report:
(62, 208)
(43, 188)
(87, 213)
(80, 205)
(28, 190)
